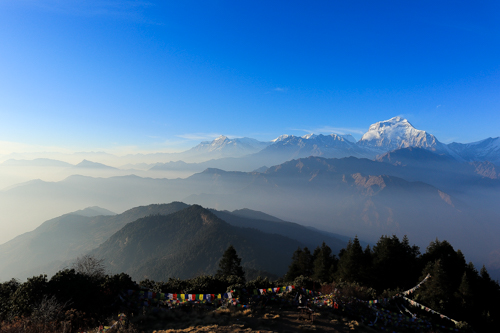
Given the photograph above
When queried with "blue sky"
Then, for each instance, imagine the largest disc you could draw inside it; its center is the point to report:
(128, 76)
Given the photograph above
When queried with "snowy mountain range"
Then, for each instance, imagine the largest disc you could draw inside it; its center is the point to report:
(381, 137)
(484, 150)
(248, 154)
(231, 146)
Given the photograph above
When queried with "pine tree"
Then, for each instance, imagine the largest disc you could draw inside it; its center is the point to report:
(353, 264)
(437, 292)
(302, 262)
(395, 263)
(230, 264)
(324, 263)
(464, 294)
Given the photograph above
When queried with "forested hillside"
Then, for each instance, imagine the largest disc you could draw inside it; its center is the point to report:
(189, 242)
(441, 290)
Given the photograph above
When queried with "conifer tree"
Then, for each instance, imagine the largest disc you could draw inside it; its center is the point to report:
(437, 292)
(464, 294)
(302, 264)
(324, 263)
(230, 264)
(353, 264)
(294, 270)
(395, 263)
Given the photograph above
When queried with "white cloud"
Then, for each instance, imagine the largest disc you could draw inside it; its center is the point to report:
(206, 136)
(199, 136)
(331, 129)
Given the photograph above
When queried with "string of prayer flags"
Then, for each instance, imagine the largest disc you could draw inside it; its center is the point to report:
(412, 302)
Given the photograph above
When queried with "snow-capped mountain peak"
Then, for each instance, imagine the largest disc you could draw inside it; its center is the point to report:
(484, 150)
(397, 133)
(348, 137)
(225, 146)
(219, 141)
(281, 138)
(309, 136)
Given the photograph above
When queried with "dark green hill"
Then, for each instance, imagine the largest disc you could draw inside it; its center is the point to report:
(190, 242)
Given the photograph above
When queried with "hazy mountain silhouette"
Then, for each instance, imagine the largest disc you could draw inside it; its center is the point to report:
(475, 184)
(409, 191)
(38, 162)
(272, 225)
(92, 165)
(66, 237)
(358, 196)
(93, 211)
(57, 241)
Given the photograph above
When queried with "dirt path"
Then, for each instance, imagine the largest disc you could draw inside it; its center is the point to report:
(247, 321)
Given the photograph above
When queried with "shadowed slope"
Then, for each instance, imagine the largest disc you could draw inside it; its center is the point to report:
(188, 243)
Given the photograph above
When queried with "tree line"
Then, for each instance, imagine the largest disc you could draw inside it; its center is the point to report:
(84, 295)
(455, 288)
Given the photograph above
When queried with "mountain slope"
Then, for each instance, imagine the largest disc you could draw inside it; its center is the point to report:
(350, 196)
(345, 196)
(484, 150)
(92, 165)
(58, 241)
(397, 133)
(93, 211)
(271, 225)
(188, 243)
(232, 147)
(290, 147)
(222, 147)
(382, 137)
(474, 183)
(66, 237)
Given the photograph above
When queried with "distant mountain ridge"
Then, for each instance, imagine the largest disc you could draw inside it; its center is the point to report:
(222, 147)
(92, 165)
(38, 162)
(56, 242)
(241, 146)
(381, 138)
(484, 150)
(246, 154)
(410, 191)
(93, 211)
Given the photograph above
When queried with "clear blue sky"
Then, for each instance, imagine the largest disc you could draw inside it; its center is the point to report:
(164, 75)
